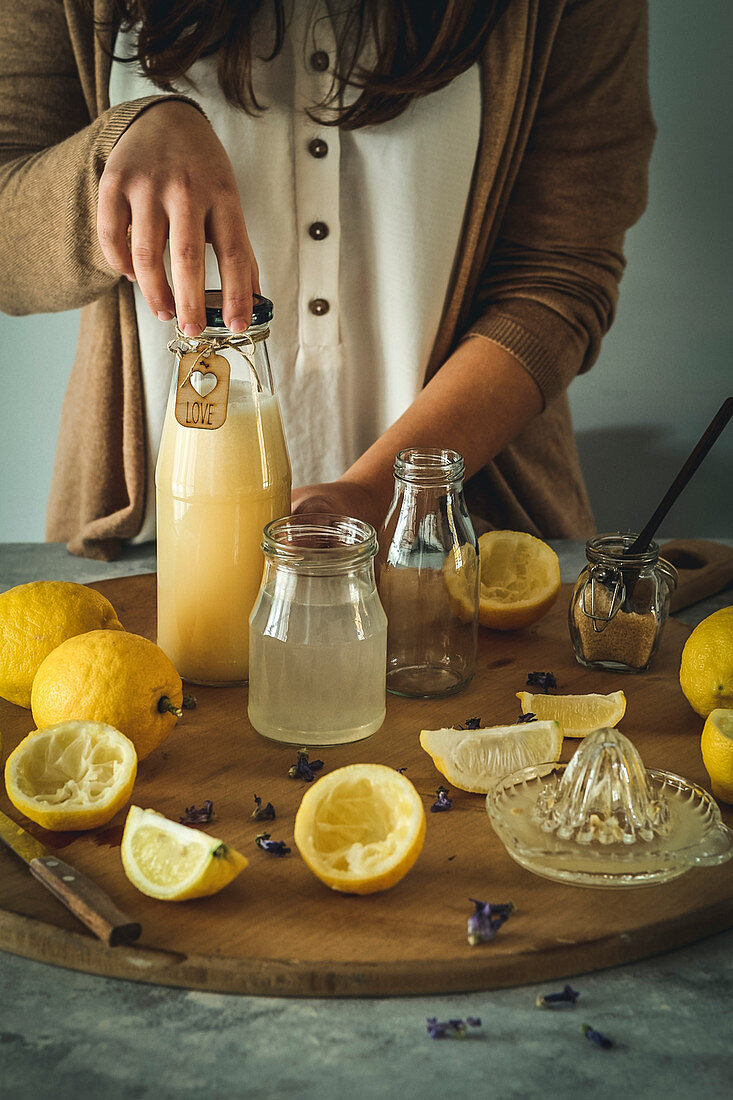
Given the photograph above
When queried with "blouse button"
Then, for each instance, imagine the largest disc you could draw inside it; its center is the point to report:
(319, 306)
(319, 61)
(318, 231)
(317, 148)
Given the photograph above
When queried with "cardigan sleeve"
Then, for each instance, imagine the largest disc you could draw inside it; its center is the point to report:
(549, 289)
(52, 153)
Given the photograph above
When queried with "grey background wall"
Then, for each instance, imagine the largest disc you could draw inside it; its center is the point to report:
(665, 366)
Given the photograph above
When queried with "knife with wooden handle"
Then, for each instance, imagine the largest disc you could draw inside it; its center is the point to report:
(87, 901)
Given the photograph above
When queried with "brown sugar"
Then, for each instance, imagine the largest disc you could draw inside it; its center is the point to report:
(627, 639)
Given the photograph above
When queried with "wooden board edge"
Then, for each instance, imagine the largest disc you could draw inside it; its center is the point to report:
(41, 942)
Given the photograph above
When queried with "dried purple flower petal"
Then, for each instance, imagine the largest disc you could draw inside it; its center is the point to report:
(303, 768)
(543, 680)
(401, 770)
(530, 716)
(263, 813)
(274, 847)
(189, 702)
(487, 919)
(443, 801)
(471, 724)
(192, 816)
(596, 1037)
(567, 996)
(451, 1029)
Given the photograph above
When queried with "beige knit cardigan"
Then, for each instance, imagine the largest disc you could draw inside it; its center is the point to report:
(560, 175)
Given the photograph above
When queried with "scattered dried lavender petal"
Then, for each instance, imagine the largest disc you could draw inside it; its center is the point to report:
(530, 716)
(274, 847)
(263, 813)
(543, 680)
(451, 1029)
(487, 919)
(567, 996)
(443, 801)
(189, 702)
(401, 770)
(471, 724)
(596, 1037)
(193, 816)
(303, 768)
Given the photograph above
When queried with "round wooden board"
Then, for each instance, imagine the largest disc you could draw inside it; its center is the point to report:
(277, 930)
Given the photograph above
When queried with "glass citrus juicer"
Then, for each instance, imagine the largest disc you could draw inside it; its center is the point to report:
(606, 820)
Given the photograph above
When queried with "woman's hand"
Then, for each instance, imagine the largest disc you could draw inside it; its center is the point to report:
(169, 179)
(344, 498)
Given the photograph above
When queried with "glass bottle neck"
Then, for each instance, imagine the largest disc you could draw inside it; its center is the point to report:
(429, 468)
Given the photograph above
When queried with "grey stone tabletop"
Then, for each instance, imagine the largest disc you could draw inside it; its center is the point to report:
(69, 1035)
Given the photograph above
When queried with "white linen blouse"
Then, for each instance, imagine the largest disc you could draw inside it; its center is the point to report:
(355, 234)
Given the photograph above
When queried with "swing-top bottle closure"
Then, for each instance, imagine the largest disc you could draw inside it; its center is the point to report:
(202, 386)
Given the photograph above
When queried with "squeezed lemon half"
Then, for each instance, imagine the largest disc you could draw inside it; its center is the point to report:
(360, 828)
(74, 775)
(475, 760)
(519, 579)
(577, 714)
(171, 862)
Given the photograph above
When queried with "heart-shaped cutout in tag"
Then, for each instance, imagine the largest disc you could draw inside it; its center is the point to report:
(203, 383)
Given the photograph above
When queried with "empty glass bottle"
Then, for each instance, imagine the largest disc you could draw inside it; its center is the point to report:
(428, 576)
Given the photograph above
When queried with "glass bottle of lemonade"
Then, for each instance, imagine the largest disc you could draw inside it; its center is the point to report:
(223, 473)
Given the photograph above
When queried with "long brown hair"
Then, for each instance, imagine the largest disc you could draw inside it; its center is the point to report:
(420, 46)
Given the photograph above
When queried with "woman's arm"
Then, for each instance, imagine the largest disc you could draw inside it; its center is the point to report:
(548, 290)
(479, 400)
(52, 158)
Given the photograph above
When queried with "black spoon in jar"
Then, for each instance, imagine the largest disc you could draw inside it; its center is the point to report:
(709, 436)
(643, 539)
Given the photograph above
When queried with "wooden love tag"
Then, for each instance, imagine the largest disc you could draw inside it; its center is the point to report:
(202, 390)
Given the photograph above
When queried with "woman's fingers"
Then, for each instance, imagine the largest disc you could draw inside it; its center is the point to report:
(113, 221)
(188, 266)
(148, 240)
(169, 179)
(237, 266)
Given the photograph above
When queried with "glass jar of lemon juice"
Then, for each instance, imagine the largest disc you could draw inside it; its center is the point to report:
(318, 633)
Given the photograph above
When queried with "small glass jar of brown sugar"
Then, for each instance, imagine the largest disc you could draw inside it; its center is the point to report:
(620, 604)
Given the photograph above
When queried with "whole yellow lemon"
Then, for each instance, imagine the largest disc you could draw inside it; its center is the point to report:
(37, 617)
(717, 752)
(114, 677)
(706, 668)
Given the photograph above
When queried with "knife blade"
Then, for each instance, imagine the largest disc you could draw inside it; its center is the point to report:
(84, 898)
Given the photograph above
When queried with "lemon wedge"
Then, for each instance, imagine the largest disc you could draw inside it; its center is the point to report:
(519, 579)
(74, 775)
(717, 752)
(475, 760)
(169, 861)
(577, 714)
(360, 828)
